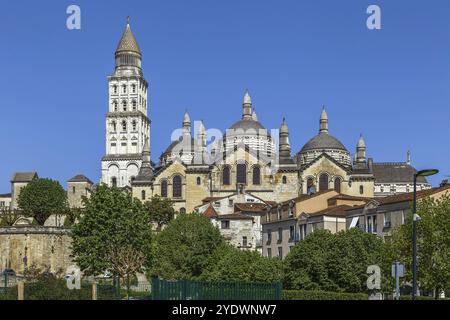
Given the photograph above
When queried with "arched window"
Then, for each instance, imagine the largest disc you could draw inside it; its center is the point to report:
(176, 186)
(164, 189)
(114, 88)
(134, 103)
(113, 126)
(133, 88)
(256, 175)
(284, 180)
(115, 104)
(124, 125)
(323, 182)
(134, 125)
(114, 181)
(241, 173)
(124, 88)
(143, 194)
(199, 181)
(226, 176)
(124, 105)
(361, 189)
(309, 184)
(183, 211)
(337, 185)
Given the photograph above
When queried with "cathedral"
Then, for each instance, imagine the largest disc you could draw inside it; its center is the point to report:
(248, 158)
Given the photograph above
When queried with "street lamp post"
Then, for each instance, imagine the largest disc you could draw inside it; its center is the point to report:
(422, 173)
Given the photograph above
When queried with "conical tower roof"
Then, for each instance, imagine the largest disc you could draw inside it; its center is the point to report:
(128, 41)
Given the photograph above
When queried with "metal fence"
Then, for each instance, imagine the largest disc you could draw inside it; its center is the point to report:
(202, 290)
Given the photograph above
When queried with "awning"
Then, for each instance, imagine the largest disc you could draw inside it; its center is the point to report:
(354, 222)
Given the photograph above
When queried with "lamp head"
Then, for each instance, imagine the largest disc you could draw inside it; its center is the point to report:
(427, 172)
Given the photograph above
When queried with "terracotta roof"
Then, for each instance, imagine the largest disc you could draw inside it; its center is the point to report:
(408, 197)
(250, 207)
(336, 211)
(210, 212)
(348, 197)
(211, 199)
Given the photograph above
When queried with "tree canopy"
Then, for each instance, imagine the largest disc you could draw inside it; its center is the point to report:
(333, 262)
(433, 245)
(112, 225)
(227, 263)
(41, 198)
(161, 210)
(183, 248)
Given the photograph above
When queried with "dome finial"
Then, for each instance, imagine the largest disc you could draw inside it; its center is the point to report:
(247, 106)
(323, 121)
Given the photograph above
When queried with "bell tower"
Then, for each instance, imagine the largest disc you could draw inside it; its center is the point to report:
(127, 122)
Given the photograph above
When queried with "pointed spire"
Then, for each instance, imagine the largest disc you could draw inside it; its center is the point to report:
(323, 121)
(361, 142)
(284, 128)
(247, 106)
(128, 41)
(285, 146)
(254, 116)
(146, 153)
(186, 124)
(247, 98)
(361, 150)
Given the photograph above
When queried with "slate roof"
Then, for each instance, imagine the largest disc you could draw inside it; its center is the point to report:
(5, 195)
(24, 176)
(80, 178)
(395, 172)
(323, 141)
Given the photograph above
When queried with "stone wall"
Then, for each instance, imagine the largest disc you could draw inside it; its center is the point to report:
(43, 247)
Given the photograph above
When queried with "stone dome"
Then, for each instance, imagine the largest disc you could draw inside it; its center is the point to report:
(323, 141)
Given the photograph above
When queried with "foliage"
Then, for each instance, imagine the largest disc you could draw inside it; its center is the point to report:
(8, 217)
(41, 198)
(112, 223)
(183, 248)
(72, 215)
(161, 210)
(321, 295)
(227, 263)
(433, 244)
(332, 262)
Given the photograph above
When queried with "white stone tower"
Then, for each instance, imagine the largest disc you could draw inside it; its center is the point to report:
(127, 123)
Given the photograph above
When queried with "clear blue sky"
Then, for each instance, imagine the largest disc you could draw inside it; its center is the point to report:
(391, 85)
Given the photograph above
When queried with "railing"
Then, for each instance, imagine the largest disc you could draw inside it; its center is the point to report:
(202, 290)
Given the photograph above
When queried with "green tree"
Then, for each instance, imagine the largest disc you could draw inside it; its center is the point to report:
(161, 210)
(8, 217)
(183, 248)
(41, 198)
(112, 226)
(227, 263)
(433, 245)
(333, 262)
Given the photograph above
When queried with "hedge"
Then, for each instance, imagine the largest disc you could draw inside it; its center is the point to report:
(321, 295)
(408, 297)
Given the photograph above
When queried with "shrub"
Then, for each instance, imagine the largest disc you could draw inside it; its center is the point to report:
(321, 295)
